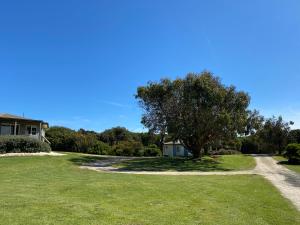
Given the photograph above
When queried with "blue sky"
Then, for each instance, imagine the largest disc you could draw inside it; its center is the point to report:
(78, 63)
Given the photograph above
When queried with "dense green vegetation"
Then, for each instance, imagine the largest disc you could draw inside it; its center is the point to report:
(221, 163)
(271, 136)
(115, 141)
(54, 190)
(17, 144)
(292, 152)
(283, 161)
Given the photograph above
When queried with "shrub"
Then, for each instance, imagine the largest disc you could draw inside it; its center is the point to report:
(152, 150)
(87, 143)
(128, 148)
(60, 138)
(292, 152)
(99, 148)
(249, 146)
(24, 144)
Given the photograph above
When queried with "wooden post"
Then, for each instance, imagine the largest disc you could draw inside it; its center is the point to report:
(15, 130)
(40, 132)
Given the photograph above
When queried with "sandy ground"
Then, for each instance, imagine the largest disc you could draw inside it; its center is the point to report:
(287, 181)
(32, 154)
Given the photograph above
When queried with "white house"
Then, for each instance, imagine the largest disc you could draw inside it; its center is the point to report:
(17, 125)
(174, 149)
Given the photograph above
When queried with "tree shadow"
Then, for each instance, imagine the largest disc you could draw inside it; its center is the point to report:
(286, 162)
(172, 164)
(85, 159)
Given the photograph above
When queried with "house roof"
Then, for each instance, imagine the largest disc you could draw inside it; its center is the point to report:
(177, 142)
(14, 117)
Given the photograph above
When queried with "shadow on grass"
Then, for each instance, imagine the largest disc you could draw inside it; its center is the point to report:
(84, 159)
(206, 164)
(173, 164)
(286, 162)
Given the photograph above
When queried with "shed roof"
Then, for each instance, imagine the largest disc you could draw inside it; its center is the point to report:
(177, 142)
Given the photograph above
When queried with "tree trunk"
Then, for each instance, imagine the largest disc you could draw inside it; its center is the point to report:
(197, 152)
(161, 142)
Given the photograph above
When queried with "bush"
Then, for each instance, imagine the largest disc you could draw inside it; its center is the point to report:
(152, 150)
(99, 148)
(249, 146)
(60, 138)
(292, 152)
(24, 144)
(128, 148)
(87, 143)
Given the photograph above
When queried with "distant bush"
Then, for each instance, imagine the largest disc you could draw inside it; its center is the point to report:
(152, 150)
(292, 152)
(249, 146)
(116, 141)
(87, 144)
(128, 148)
(60, 138)
(64, 139)
(100, 148)
(22, 144)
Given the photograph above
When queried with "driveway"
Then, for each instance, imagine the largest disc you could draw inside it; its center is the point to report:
(285, 180)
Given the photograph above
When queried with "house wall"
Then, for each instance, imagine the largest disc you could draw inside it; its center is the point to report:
(174, 150)
(168, 150)
(23, 127)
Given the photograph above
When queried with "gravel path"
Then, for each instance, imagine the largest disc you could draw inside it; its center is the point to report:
(32, 154)
(287, 181)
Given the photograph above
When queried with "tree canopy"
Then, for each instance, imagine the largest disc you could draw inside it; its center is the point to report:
(197, 109)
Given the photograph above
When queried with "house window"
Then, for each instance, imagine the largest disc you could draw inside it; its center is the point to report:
(12, 130)
(33, 130)
(28, 129)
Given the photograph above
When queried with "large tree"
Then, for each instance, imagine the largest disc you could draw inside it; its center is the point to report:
(274, 134)
(154, 99)
(197, 110)
(254, 122)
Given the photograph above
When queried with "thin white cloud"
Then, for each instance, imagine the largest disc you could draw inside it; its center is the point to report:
(117, 104)
(122, 116)
(75, 121)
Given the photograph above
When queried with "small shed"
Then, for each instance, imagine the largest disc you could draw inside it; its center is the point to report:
(175, 149)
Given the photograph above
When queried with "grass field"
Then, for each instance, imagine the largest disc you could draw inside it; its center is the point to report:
(283, 161)
(53, 190)
(220, 163)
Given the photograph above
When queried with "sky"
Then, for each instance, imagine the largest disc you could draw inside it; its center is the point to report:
(78, 63)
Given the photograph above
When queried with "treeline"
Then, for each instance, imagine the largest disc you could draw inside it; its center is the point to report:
(271, 135)
(115, 141)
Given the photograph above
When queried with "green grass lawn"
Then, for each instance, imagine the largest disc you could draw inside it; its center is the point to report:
(220, 163)
(283, 161)
(53, 190)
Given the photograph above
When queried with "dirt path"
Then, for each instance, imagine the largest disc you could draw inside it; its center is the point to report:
(32, 154)
(287, 181)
